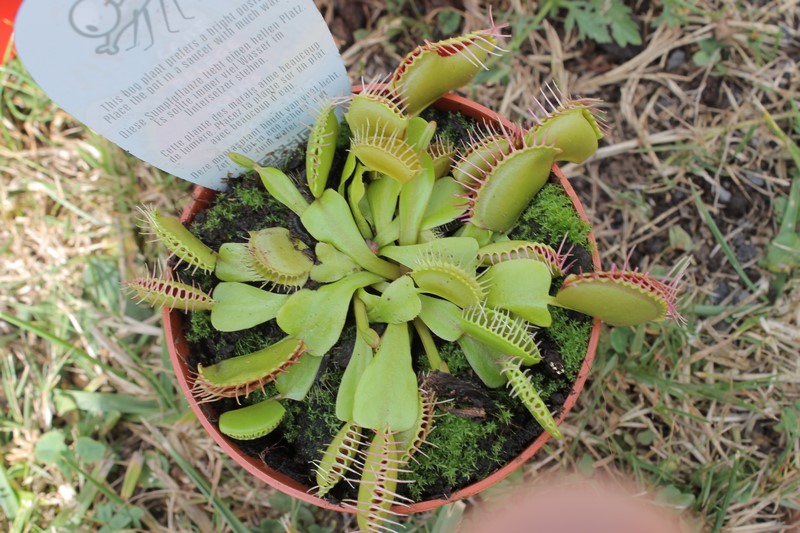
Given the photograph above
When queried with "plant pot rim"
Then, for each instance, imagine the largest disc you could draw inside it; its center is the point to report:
(179, 352)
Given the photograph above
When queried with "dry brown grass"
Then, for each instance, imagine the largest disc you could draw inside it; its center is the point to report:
(686, 413)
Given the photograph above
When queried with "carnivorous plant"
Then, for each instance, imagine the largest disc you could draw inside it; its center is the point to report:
(381, 257)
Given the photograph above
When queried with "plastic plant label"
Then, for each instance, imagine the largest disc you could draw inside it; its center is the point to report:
(181, 83)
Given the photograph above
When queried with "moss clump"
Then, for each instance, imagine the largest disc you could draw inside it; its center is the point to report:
(546, 385)
(310, 425)
(252, 341)
(571, 334)
(457, 457)
(452, 354)
(200, 327)
(252, 198)
(246, 207)
(450, 127)
(550, 216)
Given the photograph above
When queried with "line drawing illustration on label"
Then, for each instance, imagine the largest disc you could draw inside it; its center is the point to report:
(114, 18)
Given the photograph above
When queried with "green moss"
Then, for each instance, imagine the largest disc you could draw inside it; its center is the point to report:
(312, 423)
(268, 392)
(572, 338)
(546, 385)
(468, 439)
(222, 212)
(550, 217)
(251, 341)
(252, 198)
(200, 327)
(456, 361)
(245, 207)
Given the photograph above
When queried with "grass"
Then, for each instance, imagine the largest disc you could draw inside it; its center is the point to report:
(703, 419)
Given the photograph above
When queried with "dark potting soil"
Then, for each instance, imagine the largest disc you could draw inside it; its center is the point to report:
(309, 426)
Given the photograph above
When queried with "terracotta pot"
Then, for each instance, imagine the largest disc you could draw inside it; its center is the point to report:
(179, 351)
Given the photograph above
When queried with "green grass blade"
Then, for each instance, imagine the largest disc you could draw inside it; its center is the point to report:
(202, 485)
(726, 500)
(8, 496)
(58, 341)
(709, 220)
(103, 402)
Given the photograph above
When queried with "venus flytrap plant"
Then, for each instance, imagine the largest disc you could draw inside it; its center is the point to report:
(241, 375)
(377, 111)
(170, 294)
(406, 236)
(178, 240)
(485, 148)
(497, 197)
(433, 69)
(253, 421)
(522, 388)
(622, 297)
(571, 126)
(442, 152)
(321, 148)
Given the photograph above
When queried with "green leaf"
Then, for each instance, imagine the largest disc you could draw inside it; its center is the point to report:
(462, 251)
(448, 519)
(419, 133)
(612, 300)
(233, 263)
(646, 438)
(398, 303)
(239, 306)
(297, 381)
(623, 29)
(359, 361)
(444, 206)
(442, 317)
(414, 197)
(521, 286)
(790, 421)
(593, 20)
(355, 195)
(387, 397)
(382, 195)
(589, 23)
(347, 171)
(332, 265)
(50, 447)
(317, 317)
(329, 219)
(673, 14)
(679, 239)
(282, 188)
(280, 503)
(710, 51)
(482, 360)
(90, 450)
(586, 465)
(673, 495)
(620, 339)
(449, 21)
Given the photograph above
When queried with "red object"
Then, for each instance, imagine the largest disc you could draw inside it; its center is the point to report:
(8, 12)
(179, 351)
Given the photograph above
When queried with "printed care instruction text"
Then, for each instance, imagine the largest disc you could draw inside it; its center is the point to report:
(180, 84)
